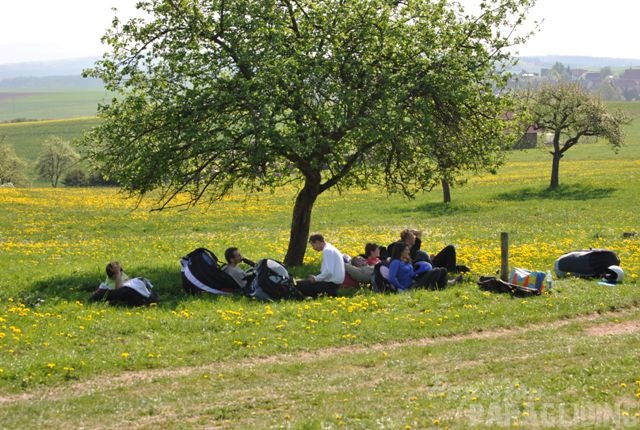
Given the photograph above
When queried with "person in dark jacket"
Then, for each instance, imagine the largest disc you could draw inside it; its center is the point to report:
(446, 258)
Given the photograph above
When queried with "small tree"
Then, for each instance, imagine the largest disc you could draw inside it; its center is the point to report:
(76, 177)
(571, 113)
(55, 158)
(11, 166)
(606, 73)
(560, 72)
(608, 91)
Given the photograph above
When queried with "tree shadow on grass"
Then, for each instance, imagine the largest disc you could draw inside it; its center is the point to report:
(167, 284)
(439, 209)
(562, 192)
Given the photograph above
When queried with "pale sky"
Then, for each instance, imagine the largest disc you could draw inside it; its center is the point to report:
(42, 30)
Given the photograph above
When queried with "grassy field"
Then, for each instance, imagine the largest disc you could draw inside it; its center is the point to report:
(27, 138)
(48, 105)
(453, 359)
(456, 358)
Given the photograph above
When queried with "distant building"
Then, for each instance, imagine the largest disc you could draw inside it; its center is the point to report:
(528, 140)
(530, 137)
(591, 80)
(577, 73)
(629, 84)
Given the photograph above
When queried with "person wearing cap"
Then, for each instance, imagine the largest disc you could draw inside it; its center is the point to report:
(332, 271)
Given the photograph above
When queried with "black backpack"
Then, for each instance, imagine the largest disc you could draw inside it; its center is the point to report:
(272, 282)
(202, 272)
(590, 263)
(380, 283)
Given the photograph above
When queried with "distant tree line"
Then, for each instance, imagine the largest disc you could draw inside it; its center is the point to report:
(58, 162)
(603, 83)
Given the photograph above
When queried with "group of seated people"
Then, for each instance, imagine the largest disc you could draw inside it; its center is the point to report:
(406, 266)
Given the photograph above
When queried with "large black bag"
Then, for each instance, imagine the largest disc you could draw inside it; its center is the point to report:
(379, 282)
(202, 272)
(272, 282)
(590, 263)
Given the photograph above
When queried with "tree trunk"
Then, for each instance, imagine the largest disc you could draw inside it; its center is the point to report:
(301, 223)
(555, 170)
(446, 191)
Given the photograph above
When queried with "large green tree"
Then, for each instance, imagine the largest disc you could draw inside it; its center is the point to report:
(218, 95)
(571, 113)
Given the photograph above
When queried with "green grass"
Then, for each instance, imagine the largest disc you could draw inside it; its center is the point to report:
(48, 105)
(540, 375)
(454, 358)
(27, 137)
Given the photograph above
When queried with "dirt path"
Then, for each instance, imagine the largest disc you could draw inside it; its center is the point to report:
(102, 383)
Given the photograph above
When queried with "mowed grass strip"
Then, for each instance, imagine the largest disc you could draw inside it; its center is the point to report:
(536, 375)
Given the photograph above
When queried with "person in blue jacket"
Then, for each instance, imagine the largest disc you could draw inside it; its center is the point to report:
(404, 276)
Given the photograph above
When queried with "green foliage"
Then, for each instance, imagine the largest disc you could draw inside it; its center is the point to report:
(76, 178)
(56, 157)
(608, 91)
(214, 96)
(12, 168)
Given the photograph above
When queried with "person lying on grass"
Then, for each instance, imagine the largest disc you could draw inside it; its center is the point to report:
(119, 289)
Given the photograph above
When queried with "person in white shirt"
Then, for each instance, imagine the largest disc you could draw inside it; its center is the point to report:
(332, 270)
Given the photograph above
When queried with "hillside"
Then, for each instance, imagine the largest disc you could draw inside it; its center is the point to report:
(50, 83)
(74, 67)
(46, 105)
(68, 67)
